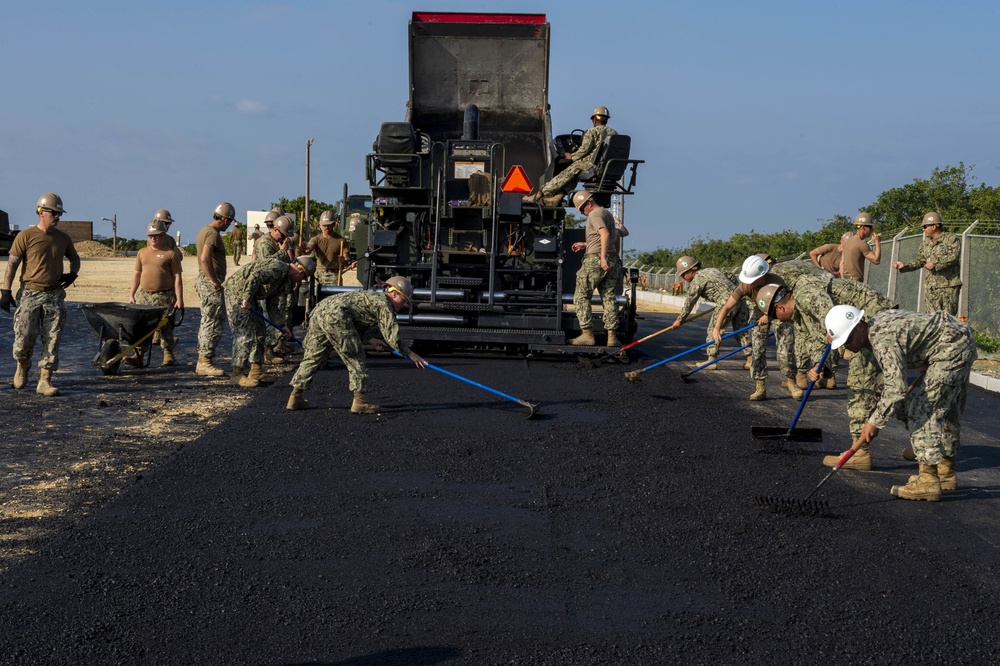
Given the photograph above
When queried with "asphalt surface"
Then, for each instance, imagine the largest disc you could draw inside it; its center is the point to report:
(619, 526)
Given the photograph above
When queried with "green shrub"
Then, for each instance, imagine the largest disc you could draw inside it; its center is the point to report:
(986, 342)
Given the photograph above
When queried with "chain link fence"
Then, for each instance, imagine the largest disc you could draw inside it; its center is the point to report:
(979, 300)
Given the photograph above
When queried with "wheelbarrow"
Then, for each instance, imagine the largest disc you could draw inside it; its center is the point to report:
(123, 329)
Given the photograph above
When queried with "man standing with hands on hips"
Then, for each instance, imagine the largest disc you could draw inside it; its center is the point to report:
(600, 270)
(41, 300)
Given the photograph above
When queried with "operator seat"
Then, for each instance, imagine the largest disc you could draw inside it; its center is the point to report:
(609, 164)
(396, 152)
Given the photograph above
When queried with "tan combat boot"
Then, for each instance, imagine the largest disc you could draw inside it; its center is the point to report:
(273, 358)
(236, 378)
(827, 383)
(802, 380)
(793, 388)
(360, 406)
(586, 338)
(613, 339)
(760, 393)
(21, 374)
(749, 363)
(946, 473)
(206, 369)
(168, 357)
(861, 461)
(552, 202)
(533, 197)
(257, 373)
(45, 386)
(296, 401)
(714, 366)
(923, 486)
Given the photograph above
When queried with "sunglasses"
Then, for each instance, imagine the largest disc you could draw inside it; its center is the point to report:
(219, 218)
(53, 213)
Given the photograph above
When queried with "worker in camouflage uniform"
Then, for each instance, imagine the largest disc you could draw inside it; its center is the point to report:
(944, 350)
(806, 308)
(753, 275)
(939, 254)
(790, 272)
(237, 237)
(600, 270)
(262, 281)
(580, 160)
(340, 324)
(711, 284)
(856, 249)
(211, 272)
(41, 300)
(275, 244)
(157, 281)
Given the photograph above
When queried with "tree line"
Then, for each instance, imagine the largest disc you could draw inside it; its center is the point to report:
(949, 191)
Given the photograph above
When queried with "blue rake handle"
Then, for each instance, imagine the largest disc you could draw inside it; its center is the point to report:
(634, 375)
(532, 407)
(809, 389)
(714, 361)
(293, 338)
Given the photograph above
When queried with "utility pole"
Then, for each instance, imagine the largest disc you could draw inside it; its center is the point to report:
(305, 214)
(114, 231)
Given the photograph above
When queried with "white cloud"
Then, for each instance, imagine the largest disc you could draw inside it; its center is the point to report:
(251, 108)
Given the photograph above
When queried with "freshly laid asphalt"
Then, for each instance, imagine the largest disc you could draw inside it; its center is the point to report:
(619, 527)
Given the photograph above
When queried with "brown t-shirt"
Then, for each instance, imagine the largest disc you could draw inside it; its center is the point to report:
(330, 251)
(829, 258)
(600, 218)
(209, 235)
(42, 255)
(157, 268)
(853, 261)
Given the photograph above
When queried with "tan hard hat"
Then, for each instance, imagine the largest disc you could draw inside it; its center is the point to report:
(50, 201)
(163, 215)
(770, 294)
(931, 219)
(581, 197)
(863, 220)
(686, 263)
(327, 218)
(156, 228)
(601, 111)
(271, 217)
(225, 210)
(284, 226)
(306, 263)
(400, 285)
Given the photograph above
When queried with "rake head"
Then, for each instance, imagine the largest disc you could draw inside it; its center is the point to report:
(633, 376)
(794, 507)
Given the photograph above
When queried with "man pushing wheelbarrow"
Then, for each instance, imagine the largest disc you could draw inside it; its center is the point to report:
(157, 281)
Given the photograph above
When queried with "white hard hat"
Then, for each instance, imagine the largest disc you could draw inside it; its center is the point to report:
(840, 321)
(753, 267)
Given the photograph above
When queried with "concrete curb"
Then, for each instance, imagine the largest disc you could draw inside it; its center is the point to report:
(986, 382)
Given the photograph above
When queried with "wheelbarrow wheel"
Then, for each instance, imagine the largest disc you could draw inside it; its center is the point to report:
(109, 349)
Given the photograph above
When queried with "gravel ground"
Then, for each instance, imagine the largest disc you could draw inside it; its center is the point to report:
(618, 527)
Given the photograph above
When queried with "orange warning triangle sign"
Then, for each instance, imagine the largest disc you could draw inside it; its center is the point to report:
(516, 181)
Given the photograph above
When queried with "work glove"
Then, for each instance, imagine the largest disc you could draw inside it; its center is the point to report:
(6, 300)
(67, 279)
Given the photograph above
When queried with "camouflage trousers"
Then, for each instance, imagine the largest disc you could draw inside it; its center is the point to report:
(737, 318)
(943, 299)
(281, 312)
(784, 339)
(590, 277)
(328, 333)
(934, 409)
(39, 313)
(213, 313)
(864, 387)
(326, 278)
(163, 299)
(248, 336)
(566, 179)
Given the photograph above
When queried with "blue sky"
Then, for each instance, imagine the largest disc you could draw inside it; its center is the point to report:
(763, 116)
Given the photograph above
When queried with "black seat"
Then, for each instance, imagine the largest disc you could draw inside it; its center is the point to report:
(609, 164)
(396, 152)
